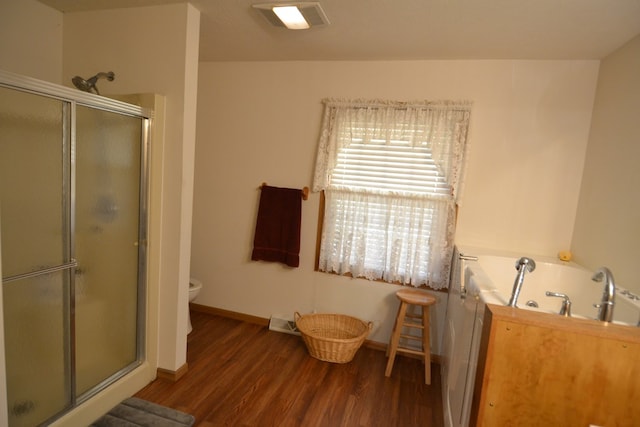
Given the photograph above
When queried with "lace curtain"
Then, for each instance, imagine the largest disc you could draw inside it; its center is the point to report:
(391, 173)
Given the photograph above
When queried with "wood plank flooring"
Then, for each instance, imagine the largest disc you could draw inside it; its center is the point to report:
(242, 374)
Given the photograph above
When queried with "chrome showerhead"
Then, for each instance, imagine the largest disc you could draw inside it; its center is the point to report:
(89, 85)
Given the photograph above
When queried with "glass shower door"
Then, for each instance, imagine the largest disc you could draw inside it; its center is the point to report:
(73, 179)
(36, 256)
(107, 203)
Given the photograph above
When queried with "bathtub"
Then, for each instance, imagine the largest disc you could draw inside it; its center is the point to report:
(493, 274)
(489, 280)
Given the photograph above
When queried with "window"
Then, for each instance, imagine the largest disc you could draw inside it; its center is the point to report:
(390, 173)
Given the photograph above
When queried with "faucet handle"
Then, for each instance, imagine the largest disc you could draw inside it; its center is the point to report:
(527, 263)
(565, 310)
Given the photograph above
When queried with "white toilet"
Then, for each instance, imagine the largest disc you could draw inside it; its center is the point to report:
(194, 289)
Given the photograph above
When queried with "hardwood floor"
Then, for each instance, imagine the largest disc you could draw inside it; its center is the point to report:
(242, 374)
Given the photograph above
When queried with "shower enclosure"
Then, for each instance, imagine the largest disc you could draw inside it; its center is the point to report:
(73, 224)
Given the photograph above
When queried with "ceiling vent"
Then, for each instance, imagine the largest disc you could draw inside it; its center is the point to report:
(310, 14)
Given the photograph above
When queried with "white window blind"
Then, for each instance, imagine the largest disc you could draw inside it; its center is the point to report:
(394, 166)
(390, 174)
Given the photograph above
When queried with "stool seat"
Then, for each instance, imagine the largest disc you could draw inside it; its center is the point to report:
(422, 299)
(415, 297)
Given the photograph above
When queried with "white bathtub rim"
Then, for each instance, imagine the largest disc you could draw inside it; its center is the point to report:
(479, 284)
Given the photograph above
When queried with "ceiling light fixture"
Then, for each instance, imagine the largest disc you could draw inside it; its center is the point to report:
(294, 16)
(291, 17)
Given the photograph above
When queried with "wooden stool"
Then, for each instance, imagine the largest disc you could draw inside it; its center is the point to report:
(412, 297)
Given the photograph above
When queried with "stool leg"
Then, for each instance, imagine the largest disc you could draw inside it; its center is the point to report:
(395, 327)
(426, 345)
(395, 337)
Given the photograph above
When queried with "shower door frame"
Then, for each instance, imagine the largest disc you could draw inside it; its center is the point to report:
(70, 99)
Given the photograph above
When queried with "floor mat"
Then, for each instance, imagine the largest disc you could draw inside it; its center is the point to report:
(134, 412)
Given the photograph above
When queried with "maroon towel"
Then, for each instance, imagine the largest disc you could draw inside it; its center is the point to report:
(277, 236)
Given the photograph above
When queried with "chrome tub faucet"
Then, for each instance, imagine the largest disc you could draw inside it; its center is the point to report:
(605, 307)
(565, 309)
(523, 265)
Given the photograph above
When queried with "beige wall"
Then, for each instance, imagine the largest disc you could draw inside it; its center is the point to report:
(152, 50)
(607, 226)
(259, 122)
(4, 414)
(31, 42)
(25, 25)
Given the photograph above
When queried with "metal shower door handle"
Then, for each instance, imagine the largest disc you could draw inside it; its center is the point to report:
(67, 266)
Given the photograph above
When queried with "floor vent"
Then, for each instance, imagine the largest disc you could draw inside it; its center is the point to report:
(283, 325)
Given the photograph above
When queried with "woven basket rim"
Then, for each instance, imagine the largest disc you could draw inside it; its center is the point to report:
(330, 315)
(362, 336)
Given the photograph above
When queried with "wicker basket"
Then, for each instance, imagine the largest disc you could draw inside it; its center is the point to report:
(332, 337)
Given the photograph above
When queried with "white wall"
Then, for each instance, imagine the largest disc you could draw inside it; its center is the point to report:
(607, 226)
(31, 39)
(152, 50)
(31, 45)
(529, 136)
(4, 414)
(259, 122)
